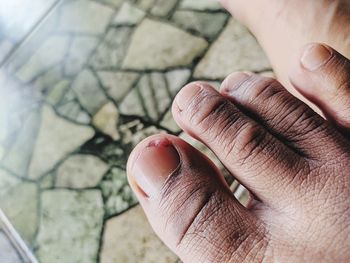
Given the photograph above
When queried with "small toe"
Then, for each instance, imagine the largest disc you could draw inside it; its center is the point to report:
(322, 75)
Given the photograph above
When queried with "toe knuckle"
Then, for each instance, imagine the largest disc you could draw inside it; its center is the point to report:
(249, 142)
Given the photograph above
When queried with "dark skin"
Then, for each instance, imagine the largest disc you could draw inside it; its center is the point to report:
(295, 163)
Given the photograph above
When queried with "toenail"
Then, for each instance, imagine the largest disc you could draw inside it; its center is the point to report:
(154, 165)
(185, 96)
(315, 56)
(234, 81)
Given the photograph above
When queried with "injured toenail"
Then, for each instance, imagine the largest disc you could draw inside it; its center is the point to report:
(154, 165)
(185, 96)
(234, 81)
(315, 56)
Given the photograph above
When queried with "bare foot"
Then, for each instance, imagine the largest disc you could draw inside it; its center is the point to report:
(284, 26)
(295, 163)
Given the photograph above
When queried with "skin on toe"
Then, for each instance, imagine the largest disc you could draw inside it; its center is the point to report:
(322, 75)
(240, 142)
(188, 202)
(290, 158)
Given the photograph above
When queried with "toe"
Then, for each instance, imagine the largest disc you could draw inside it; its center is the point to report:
(288, 118)
(254, 156)
(323, 76)
(190, 206)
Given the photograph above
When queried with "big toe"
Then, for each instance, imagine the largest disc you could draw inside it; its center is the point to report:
(322, 75)
(190, 206)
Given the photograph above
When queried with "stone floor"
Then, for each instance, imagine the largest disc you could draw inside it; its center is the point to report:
(81, 83)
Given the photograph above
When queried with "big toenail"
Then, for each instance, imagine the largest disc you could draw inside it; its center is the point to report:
(234, 81)
(154, 165)
(315, 56)
(185, 96)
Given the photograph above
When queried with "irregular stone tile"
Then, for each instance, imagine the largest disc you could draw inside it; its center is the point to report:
(169, 122)
(47, 182)
(58, 91)
(88, 91)
(211, 5)
(116, 192)
(113, 3)
(57, 138)
(156, 45)
(128, 15)
(5, 48)
(106, 120)
(7, 182)
(79, 52)
(50, 53)
(107, 149)
(145, 4)
(206, 24)
(48, 79)
(73, 111)
(20, 204)
(117, 84)
(236, 49)
(18, 156)
(7, 252)
(84, 16)
(81, 171)
(131, 105)
(134, 132)
(154, 94)
(163, 7)
(129, 238)
(110, 53)
(71, 224)
(176, 79)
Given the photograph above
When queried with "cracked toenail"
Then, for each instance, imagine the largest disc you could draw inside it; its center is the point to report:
(315, 56)
(185, 96)
(154, 165)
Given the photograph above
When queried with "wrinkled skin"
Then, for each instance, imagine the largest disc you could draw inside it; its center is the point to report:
(295, 163)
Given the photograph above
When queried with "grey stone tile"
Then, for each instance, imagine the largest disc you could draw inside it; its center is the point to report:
(86, 86)
(18, 156)
(128, 15)
(206, 24)
(117, 84)
(57, 137)
(106, 120)
(156, 45)
(80, 171)
(20, 204)
(116, 192)
(237, 44)
(112, 49)
(84, 16)
(153, 94)
(78, 54)
(71, 223)
(49, 54)
(163, 7)
(140, 244)
(202, 5)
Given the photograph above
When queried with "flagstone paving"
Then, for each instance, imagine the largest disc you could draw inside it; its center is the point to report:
(93, 79)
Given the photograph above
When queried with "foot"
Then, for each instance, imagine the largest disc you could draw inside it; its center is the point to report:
(292, 161)
(282, 27)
